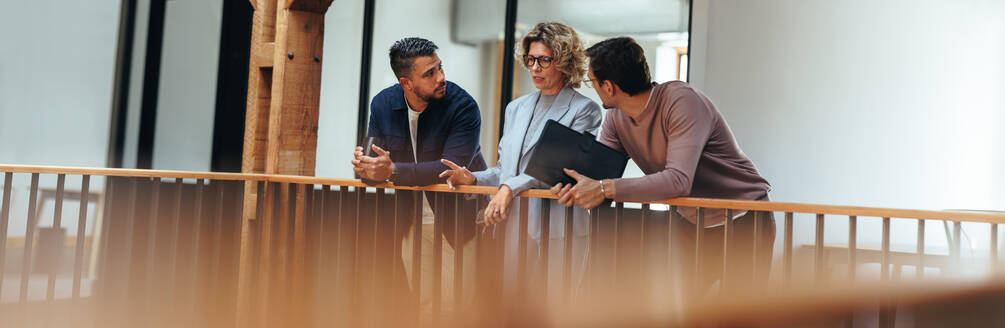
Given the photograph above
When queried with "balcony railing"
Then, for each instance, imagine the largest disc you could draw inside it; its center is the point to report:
(168, 248)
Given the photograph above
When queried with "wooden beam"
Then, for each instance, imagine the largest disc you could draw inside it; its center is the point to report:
(315, 6)
(262, 57)
(284, 94)
(296, 94)
(253, 157)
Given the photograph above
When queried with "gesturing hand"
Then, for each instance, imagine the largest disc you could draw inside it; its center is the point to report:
(456, 175)
(586, 193)
(373, 168)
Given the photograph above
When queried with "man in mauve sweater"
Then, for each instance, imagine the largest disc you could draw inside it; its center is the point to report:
(683, 145)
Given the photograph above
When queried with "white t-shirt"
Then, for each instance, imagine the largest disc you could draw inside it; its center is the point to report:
(413, 128)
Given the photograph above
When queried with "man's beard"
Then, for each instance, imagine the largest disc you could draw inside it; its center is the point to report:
(432, 96)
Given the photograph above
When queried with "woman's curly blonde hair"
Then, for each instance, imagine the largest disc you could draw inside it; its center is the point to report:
(565, 47)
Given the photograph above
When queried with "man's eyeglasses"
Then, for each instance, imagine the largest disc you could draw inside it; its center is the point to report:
(589, 83)
(543, 61)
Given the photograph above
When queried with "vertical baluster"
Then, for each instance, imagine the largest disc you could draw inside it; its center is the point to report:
(957, 242)
(671, 269)
(4, 216)
(29, 239)
(129, 230)
(787, 251)
(726, 233)
(111, 188)
(217, 241)
(274, 256)
(994, 247)
(290, 244)
(852, 245)
(567, 260)
(545, 246)
(360, 192)
(417, 253)
(458, 255)
(818, 254)
(852, 234)
(642, 240)
(618, 211)
(342, 190)
(320, 258)
(196, 241)
(57, 223)
(567, 264)
(885, 270)
(78, 256)
(239, 238)
(886, 313)
(480, 262)
(757, 240)
(920, 271)
(699, 238)
(152, 244)
(256, 235)
(378, 204)
(522, 250)
(175, 236)
(437, 259)
(395, 253)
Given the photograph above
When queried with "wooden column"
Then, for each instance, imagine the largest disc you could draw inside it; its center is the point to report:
(284, 90)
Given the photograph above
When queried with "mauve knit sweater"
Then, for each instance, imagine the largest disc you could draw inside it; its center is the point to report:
(683, 145)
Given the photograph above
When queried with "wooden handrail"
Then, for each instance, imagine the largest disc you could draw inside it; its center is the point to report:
(534, 193)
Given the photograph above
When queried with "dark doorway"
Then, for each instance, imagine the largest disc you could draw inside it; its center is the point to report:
(232, 86)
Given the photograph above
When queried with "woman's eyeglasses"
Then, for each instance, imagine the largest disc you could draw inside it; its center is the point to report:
(543, 61)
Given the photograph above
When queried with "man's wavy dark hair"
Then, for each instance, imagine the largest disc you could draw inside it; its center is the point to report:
(621, 61)
(405, 50)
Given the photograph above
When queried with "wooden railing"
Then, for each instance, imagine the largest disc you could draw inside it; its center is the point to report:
(177, 248)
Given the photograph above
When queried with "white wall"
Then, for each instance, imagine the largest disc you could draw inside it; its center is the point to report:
(878, 103)
(186, 105)
(340, 71)
(56, 72)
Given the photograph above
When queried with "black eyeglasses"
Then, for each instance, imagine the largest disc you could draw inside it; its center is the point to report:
(543, 61)
(589, 82)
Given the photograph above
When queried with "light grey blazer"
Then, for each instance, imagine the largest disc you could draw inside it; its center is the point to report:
(571, 109)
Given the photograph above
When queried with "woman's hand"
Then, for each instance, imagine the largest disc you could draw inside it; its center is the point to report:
(498, 207)
(456, 175)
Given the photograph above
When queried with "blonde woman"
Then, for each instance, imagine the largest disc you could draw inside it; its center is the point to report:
(553, 55)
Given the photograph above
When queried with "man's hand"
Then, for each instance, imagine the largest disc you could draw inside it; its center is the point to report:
(498, 207)
(456, 175)
(373, 168)
(586, 193)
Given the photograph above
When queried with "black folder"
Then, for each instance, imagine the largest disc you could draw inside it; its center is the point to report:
(561, 147)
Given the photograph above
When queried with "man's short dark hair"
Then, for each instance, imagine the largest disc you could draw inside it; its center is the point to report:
(621, 61)
(405, 50)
